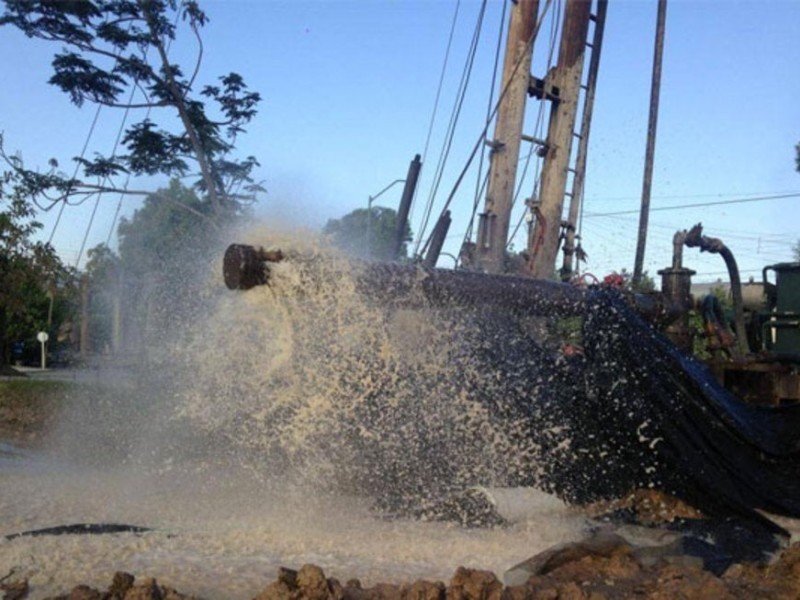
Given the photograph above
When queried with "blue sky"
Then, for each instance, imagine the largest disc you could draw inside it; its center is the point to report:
(348, 91)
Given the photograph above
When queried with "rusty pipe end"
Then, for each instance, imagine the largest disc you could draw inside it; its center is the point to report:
(694, 237)
(245, 267)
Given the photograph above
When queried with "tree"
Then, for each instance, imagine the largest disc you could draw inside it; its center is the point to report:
(112, 51)
(102, 272)
(368, 233)
(30, 272)
(162, 250)
(149, 285)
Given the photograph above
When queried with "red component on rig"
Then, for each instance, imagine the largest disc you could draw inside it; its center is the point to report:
(614, 280)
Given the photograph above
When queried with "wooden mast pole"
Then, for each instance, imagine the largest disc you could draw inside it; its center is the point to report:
(493, 225)
(576, 200)
(543, 243)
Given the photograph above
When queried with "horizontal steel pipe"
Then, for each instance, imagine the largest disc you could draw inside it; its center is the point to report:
(398, 284)
(245, 267)
(409, 284)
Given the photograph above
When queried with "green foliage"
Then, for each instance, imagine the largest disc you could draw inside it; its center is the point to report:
(103, 272)
(646, 284)
(144, 289)
(162, 229)
(624, 279)
(723, 295)
(699, 339)
(30, 273)
(162, 249)
(112, 48)
(368, 233)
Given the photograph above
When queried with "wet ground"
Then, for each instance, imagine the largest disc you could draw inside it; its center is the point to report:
(218, 531)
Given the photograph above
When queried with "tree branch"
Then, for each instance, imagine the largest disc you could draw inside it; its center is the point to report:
(202, 159)
(161, 104)
(199, 55)
(89, 190)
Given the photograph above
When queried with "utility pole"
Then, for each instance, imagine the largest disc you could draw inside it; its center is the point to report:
(655, 90)
(493, 224)
(576, 199)
(566, 79)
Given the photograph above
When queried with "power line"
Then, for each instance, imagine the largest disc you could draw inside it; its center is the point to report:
(675, 196)
(479, 141)
(75, 172)
(765, 237)
(480, 181)
(697, 205)
(454, 117)
(438, 94)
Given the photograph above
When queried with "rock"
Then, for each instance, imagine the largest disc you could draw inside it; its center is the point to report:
(311, 577)
(15, 590)
(311, 583)
(288, 577)
(571, 591)
(84, 592)
(335, 588)
(602, 544)
(424, 590)
(517, 592)
(472, 584)
(654, 507)
(783, 575)
(381, 591)
(147, 590)
(120, 585)
(276, 591)
(692, 584)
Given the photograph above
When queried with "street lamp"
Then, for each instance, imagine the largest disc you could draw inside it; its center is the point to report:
(370, 199)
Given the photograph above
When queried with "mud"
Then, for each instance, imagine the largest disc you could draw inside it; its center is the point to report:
(609, 568)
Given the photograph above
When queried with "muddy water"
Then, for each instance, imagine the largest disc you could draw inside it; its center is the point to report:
(260, 433)
(224, 534)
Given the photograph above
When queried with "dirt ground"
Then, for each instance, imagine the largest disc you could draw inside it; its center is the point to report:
(605, 567)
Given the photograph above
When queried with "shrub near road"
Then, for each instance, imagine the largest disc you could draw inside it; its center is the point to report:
(27, 408)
